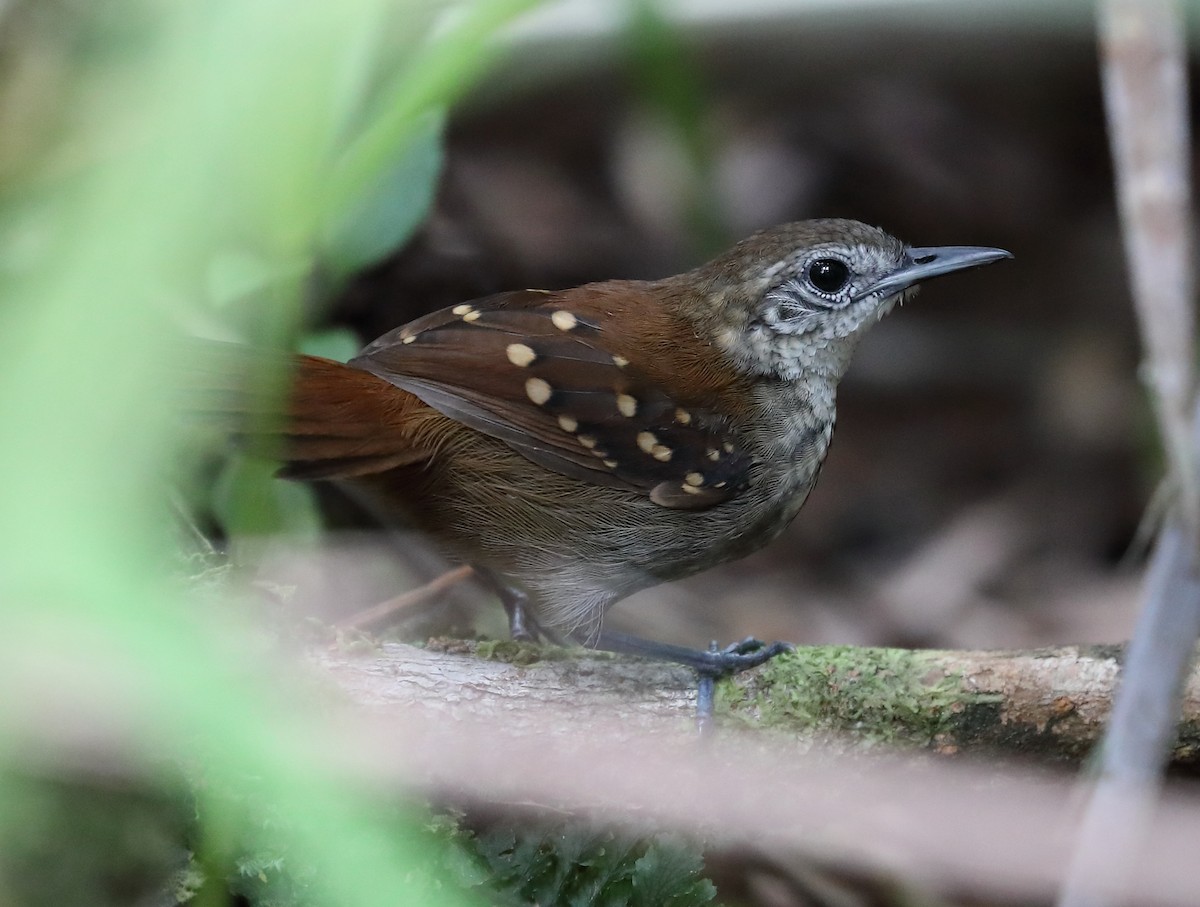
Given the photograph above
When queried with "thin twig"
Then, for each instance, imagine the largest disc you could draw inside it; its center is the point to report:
(1144, 66)
(1145, 89)
(423, 595)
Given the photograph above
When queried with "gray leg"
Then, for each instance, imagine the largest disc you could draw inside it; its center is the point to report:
(522, 625)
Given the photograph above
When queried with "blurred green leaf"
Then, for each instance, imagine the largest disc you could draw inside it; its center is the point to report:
(237, 275)
(432, 78)
(388, 212)
(671, 85)
(334, 343)
(189, 158)
(248, 502)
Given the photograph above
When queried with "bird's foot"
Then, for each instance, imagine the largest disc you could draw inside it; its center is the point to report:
(739, 656)
(710, 664)
(715, 662)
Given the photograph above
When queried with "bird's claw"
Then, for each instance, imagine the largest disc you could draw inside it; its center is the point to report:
(740, 656)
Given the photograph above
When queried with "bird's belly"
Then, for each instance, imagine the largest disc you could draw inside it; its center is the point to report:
(577, 547)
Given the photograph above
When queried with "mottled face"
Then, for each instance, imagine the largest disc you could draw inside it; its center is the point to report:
(826, 290)
(810, 300)
(797, 298)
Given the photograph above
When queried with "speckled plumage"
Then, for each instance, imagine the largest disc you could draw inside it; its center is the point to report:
(585, 444)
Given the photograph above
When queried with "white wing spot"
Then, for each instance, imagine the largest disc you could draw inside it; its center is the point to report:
(538, 391)
(568, 423)
(682, 416)
(646, 441)
(694, 478)
(627, 405)
(473, 315)
(661, 452)
(690, 489)
(564, 320)
(620, 361)
(587, 441)
(465, 309)
(520, 354)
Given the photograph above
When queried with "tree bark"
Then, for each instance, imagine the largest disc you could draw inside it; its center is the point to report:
(1049, 704)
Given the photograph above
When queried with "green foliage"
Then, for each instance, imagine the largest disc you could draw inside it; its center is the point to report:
(201, 160)
(672, 90)
(576, 864)
(191, 161)
(516, 863)
(384, 217)
(249, 504)
(86, 843)
(261, 863)
(240, 277)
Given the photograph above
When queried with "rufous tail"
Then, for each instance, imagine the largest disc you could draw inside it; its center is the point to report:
(321, 418)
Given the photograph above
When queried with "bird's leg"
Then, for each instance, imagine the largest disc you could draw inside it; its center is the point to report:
(705, 691)
(522, 625)
(711, 664)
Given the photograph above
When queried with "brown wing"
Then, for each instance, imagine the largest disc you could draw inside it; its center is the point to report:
(524, 368)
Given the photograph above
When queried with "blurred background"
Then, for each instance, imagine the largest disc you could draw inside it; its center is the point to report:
(991, 459)
(312, 175)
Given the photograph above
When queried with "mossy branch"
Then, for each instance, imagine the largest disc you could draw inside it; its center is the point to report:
(1048, 704)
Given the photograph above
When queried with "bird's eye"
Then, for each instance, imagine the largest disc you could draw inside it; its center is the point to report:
(828, 275)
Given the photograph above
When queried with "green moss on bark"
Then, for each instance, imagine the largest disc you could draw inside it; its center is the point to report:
(889, 696)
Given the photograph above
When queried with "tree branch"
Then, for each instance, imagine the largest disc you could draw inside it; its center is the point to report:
(1048, 703)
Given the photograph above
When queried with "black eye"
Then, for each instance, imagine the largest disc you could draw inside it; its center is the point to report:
(829, 275)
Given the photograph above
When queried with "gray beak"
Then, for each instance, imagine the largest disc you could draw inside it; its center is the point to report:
(921, 263)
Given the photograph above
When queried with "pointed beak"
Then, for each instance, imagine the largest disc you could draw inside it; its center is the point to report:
(922, 263)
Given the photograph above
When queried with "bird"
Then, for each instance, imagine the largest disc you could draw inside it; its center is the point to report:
(577, 446)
